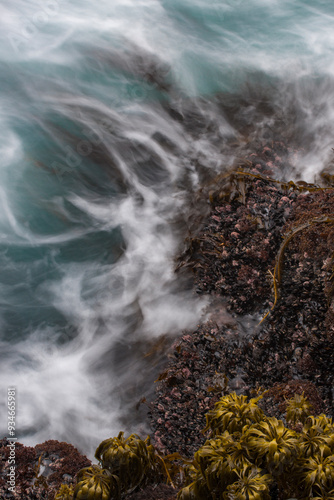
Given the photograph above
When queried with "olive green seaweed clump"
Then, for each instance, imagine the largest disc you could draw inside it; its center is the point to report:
(250, 452)
(246, 455)
(96, 484)
(65, 492)
(232, 413)
(125, 464)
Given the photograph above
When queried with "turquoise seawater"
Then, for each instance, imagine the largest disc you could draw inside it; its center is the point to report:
(111, 116)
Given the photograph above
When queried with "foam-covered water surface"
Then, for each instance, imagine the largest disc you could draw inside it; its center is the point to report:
(111, 117)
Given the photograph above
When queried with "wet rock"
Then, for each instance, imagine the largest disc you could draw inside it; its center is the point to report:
(40, 470)
(157, 492)
(234, 256)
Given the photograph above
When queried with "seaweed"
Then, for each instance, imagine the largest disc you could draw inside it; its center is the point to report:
(232, 185)
(247, 455)
(125, 465)
(247, 463)
(277, 275)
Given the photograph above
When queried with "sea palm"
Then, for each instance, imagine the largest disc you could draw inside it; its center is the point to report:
(252, 484)
(232, 413)
(131, 459)
(317, 474)
(94, 483)
(65, 492)
(298, 409)
(271, 441)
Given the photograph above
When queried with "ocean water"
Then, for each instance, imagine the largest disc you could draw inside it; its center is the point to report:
(112, 115)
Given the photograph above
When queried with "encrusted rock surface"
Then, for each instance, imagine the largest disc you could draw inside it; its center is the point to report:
(40, 470)
(157, 492)
(234, 256)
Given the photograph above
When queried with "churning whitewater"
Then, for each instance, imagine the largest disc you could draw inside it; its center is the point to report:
(112, 116)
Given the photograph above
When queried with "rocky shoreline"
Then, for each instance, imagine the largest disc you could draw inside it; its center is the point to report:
(264, 252)
(254, 224)
(40, 470)
(234, 257)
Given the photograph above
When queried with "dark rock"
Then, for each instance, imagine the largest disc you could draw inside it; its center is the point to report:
(40, 470)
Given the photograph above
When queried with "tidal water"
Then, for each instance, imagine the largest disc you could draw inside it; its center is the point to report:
(112, 116)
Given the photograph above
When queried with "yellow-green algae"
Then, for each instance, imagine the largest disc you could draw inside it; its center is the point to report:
(246, 454)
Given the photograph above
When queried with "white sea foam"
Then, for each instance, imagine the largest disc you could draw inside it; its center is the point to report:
(88, 238)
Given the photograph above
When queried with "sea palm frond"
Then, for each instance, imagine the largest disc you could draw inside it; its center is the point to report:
(232, 413)
(251, 484)
(271, 441)
(298, 409)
